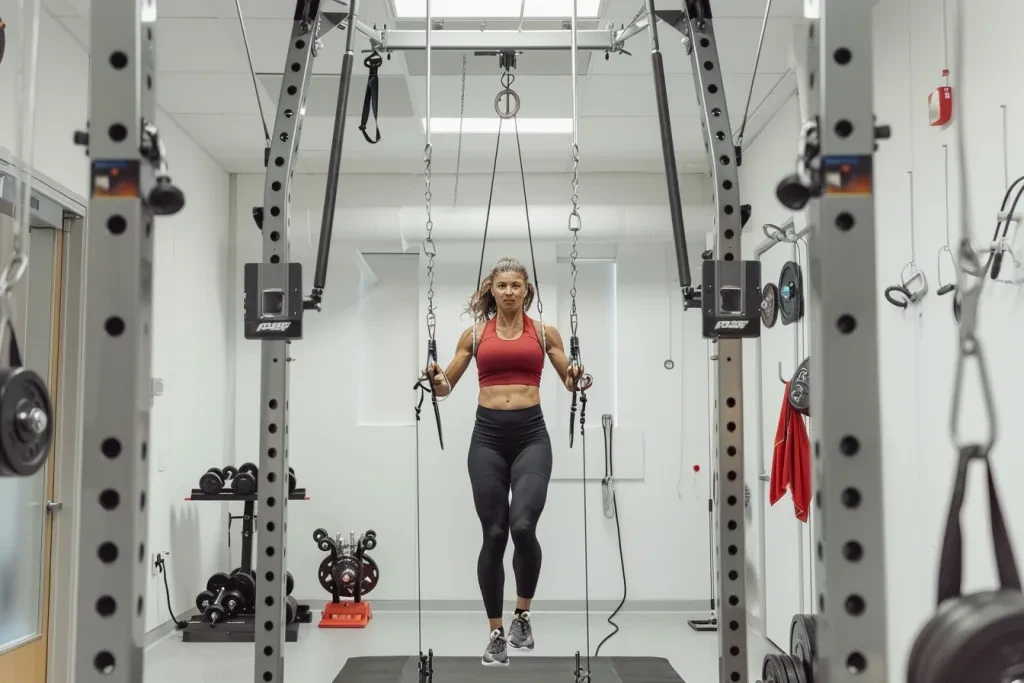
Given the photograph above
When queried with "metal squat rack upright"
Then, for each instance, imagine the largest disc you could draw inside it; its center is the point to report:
(129, 187)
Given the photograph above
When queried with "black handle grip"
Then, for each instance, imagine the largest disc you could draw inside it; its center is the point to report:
(899, 290)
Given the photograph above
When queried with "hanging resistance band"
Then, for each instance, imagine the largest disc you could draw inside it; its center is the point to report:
(511, 102)
(373, 63)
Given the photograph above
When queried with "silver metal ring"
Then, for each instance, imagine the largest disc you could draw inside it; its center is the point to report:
(512, 95)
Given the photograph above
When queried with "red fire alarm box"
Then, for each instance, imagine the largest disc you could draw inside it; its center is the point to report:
(940, 103)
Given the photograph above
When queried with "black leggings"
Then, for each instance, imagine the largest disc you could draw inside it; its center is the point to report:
(510, 450)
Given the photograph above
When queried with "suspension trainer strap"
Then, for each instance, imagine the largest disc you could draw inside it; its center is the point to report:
(586, 544)
(529, 235)
(419, 574)
(483, 244)
(373, 63)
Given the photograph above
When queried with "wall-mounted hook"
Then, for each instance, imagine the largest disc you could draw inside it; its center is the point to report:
(781, 378)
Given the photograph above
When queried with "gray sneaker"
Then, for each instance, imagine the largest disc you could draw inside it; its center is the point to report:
(521, 632)
(496, 653)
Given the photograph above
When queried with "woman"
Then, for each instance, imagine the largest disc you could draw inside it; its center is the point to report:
(510, 449)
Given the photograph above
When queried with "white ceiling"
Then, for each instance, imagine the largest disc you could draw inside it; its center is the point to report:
(205, 85)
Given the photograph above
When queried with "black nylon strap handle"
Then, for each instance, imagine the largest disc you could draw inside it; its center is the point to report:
(371, 99)
(950, 584)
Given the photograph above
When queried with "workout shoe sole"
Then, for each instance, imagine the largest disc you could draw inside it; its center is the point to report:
(493, 662)
(528, 645)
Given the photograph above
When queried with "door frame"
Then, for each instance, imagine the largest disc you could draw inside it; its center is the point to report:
(60, 206)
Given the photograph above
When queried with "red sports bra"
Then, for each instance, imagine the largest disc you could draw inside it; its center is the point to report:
(509, 361)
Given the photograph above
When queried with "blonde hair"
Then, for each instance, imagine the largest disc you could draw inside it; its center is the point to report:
(482, 305)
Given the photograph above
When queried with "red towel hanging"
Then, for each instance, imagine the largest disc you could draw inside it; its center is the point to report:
(791, 460)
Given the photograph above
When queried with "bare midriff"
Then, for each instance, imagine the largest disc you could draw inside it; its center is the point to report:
(509, 397)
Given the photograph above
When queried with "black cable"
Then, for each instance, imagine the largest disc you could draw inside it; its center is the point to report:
(160, 566)
(622, 563)
(252, 71)
(996, 257)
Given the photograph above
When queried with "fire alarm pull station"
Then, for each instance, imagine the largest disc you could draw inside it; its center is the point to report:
(940, 103)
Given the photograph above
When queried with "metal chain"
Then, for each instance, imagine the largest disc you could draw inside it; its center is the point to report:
(428, 244)
(462, 114)
(575, 224)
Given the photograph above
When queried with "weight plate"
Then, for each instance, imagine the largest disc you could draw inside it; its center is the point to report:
(211, 484)
(291, 609)
(319, 535)
(233, 603)
(292, 484)
(803, 644)
(217, 582)
(793, 668)
(769, 305)
(289, 583)
(246, 587)
(800, 388)
(326, 574)
(371, 574)
(3, 40)
(345, 573)
(781, 669)
(26, 422)
(243, 484)
(204, 600)
(250, 468)
(791, 293)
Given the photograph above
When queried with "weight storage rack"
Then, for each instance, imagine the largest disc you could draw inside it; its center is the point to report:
(242, 627)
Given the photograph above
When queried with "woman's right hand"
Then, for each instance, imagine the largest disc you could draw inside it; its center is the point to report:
(437, 379)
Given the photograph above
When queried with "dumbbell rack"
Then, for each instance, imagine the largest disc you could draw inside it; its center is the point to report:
(240, 628)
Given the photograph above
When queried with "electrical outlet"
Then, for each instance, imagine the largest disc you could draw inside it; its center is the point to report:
(154, 567)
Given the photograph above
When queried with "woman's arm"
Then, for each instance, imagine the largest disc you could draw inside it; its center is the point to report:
(458, 366)
(556, 352)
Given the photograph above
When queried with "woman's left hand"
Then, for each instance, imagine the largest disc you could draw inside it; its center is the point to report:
(572, 376)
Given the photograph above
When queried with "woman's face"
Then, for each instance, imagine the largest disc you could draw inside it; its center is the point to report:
(509, 290)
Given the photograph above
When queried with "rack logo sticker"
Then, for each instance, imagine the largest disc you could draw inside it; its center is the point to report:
(272, 327)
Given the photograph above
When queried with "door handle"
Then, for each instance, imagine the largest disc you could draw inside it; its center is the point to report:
(54, 506)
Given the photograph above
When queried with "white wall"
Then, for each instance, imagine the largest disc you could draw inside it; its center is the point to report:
(352, 432)
(918, 346)
(191, 428)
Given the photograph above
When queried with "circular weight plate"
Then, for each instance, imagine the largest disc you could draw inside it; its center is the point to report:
(772, 670)
(26, 422)
(319, 535)
(215, 613)
(233, 603)
(769, 305)
(345, 573)
(245, 585)
(800, 388)
(292, 483)
(289, 583)
(803, 643)
(791, 293)
(326, 574)
(291, 608)
(218, 581)
(371, 574)
(506, 103)
(244, 484)
(981, 642)
(250, 468)
(204, 600)
(794, 669)
(210, 483)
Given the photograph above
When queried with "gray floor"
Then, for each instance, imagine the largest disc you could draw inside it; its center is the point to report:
(320, 653)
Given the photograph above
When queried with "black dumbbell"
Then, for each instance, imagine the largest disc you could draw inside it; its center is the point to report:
(292, 482)
(212, 482)
(291, 606)
(229, 472)
(289, 583)
(244, 482)
(220, 600)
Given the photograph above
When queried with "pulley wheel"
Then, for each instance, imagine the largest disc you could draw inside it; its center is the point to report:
(803, 644)
(769, 305)
(26, 422)
(791, 293)
(346, 571)
(506, 103)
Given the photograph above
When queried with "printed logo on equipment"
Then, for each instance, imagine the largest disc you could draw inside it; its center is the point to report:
(732, 325)
(272, 327)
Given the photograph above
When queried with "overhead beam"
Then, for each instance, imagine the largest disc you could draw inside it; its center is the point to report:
(397, 40)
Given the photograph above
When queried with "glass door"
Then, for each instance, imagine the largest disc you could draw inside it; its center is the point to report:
(25, 516)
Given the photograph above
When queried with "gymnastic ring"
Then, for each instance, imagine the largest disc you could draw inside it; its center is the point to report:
(898, 290)
(512, 95)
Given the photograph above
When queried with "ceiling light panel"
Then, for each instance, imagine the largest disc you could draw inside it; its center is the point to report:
(496, 9)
